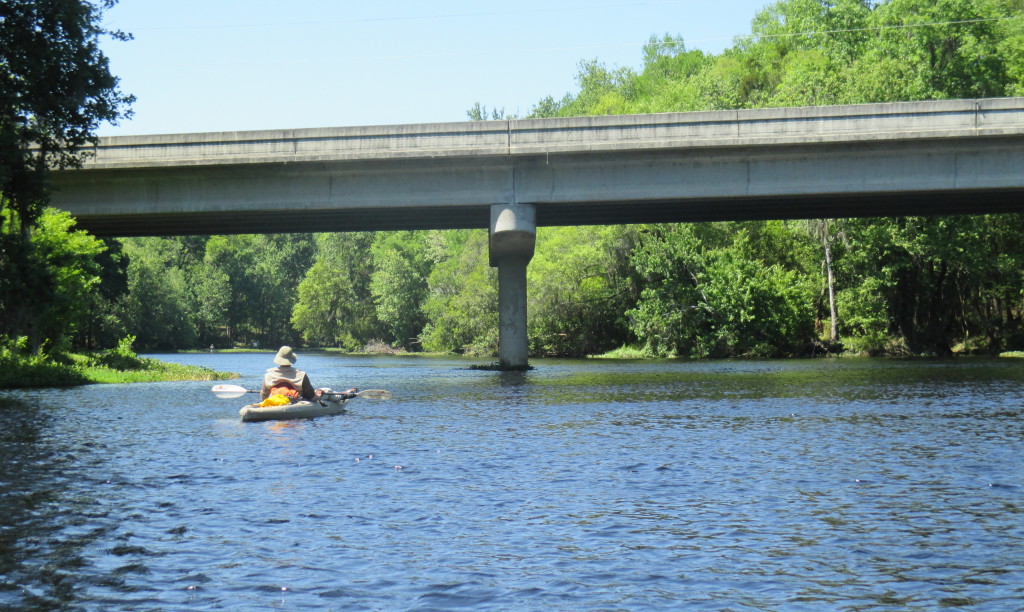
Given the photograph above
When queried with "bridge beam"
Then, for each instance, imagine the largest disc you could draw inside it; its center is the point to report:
(513, 235)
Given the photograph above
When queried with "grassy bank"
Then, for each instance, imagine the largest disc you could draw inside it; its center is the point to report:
(149, 370)
(631, 352)
(23, 371)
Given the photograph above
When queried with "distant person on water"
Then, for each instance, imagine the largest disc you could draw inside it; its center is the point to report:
(285, 379)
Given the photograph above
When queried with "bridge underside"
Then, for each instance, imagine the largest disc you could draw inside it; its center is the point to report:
(818, 206)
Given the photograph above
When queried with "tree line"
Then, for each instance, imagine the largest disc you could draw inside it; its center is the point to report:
(908, 285)
(913, 285)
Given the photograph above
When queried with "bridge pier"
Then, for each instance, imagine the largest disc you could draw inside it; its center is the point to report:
(513, 235)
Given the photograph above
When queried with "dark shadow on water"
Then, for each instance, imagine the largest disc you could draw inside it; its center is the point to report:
(46, 519)
(512, 379)
(499, 367)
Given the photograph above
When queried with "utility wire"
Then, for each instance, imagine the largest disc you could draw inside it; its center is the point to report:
(548, 10)
(898, 26)
(688, 42)
(535, 50)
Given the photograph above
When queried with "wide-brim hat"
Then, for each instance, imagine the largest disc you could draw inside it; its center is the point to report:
(285, 356)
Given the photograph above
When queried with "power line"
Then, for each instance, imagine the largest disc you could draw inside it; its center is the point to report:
(900, 26)
(536, 50)
(549, 10)
(687, 42)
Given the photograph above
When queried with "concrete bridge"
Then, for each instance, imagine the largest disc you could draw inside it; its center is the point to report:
(922, 158)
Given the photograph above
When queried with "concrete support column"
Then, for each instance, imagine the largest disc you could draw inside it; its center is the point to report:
(513, 237)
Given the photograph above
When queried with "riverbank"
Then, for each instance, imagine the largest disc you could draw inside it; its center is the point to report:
(19, 371)
(151, 370)
(624, 352)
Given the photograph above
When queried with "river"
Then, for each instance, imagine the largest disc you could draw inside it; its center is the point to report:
(842, 484)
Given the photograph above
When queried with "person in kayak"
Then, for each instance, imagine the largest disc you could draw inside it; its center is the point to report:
(286, 380)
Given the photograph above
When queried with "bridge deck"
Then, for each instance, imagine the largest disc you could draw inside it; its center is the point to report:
(936, 157)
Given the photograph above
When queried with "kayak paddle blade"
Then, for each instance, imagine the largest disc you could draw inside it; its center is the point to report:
(374, 394)
(230, 391)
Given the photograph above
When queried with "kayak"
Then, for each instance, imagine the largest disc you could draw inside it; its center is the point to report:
(298, 410)
(330, 402)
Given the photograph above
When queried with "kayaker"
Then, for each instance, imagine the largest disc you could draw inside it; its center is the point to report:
(285, 379)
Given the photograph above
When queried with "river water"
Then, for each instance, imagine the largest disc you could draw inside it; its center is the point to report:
(841, 484)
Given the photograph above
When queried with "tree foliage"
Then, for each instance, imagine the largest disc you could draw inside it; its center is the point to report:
(462, 304)
(55, 90)
(334, 304)
(158, 307)
(398, 283)
(47, 283)
(263, 273)
(580, 286)
(816, 52)
(714, 289)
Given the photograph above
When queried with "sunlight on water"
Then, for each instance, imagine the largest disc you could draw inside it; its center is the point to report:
(837, 484)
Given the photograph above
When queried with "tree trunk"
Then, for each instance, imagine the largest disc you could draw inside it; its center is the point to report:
(833, 311)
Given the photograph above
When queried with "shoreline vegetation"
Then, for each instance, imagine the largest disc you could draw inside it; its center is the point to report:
(632, 352)
(121, 365)
(19, 370)
(624, 352)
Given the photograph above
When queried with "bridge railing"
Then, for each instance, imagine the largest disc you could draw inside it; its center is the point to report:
(733, 128)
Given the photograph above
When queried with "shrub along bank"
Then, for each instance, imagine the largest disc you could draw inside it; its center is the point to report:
(20, 369)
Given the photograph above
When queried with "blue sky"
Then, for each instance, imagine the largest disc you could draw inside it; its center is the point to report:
(222, 65)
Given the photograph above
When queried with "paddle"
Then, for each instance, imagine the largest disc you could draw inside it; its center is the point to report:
(233, 391)
(367, 394)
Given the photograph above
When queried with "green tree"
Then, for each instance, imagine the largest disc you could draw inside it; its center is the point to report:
(55, 91)
(579, 287)
(991, 295)
(462, 305)
(722, 289)
(191, 310)
(335, 305)
(47, 283)
(672, 311)
(823, 230)
(602, 91)
(211, 293)
(480, 113)
(549, 107)
(104, 327)
(926, 285)
(1010, 44)
(808, 78)
(931, 49)
(263, 273)
(401, 267)
(158, 307)
(665, 84)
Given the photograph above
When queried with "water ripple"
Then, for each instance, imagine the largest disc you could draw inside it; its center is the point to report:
(839, 484)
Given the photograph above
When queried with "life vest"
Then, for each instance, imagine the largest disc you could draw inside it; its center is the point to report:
(284, 388)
